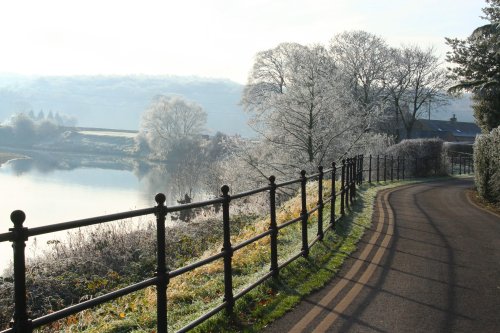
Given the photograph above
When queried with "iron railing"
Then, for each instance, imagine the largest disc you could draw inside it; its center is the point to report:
(461, 163)
(383, 168)
(350, 173)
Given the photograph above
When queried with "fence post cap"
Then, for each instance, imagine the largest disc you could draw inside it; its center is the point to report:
(160, 198)
(272, 179)
(225, 190)
(18, 217)
(303, 173)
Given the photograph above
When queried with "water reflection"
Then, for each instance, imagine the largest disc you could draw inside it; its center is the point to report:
(147, 178)
(53, 188)
(50, 162)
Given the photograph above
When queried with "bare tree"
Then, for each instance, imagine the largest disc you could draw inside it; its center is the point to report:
(169, 121)
(270, 74)
(364, 59)
(299, 106)
(417, 78)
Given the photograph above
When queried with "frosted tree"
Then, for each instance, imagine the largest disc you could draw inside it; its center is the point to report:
(23, 127)
(170, 121)
(299, 104)
(417, 78)
(364, 60)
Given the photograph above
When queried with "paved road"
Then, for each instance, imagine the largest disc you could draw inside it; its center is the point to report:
(430, 263)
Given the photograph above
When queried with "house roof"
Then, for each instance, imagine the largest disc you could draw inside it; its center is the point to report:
(457, 128)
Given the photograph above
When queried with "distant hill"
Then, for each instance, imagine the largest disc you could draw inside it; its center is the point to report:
(119, 101)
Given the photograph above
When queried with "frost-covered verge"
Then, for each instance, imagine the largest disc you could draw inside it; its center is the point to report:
(7, 156)
(487, 165)
(88, 143)
(97, 260)
(65, 140)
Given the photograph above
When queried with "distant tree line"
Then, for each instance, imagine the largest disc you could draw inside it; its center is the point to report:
(25, 130)
(56, 118)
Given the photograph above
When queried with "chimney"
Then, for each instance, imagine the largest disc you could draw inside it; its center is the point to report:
(453, 119)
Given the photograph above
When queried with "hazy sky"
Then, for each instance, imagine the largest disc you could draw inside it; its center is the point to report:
(207, 38)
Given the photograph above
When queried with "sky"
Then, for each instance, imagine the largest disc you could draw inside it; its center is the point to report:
(206, 38)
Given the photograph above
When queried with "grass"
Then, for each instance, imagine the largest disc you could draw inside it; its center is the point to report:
(196, 292)
(474, 196)
(302, 277)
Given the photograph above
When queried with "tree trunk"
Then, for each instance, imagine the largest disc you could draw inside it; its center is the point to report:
(409, 129)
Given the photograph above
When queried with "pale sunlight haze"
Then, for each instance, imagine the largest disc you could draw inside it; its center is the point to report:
(205, 38)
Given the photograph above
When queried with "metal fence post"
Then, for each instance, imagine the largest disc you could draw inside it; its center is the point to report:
(227, 249)
(161, 269)
(392, 168)
(21, 322)
(361, 169)
(320, 203)
(370, 170)
(385, 168)
(397, 170)
(378, 168)
(403, 168)
(354, 163)
(460, 164)
(273, 227)
(334, 196)
(355, 169)
(347, 183)
(342, 189)
(303, 213)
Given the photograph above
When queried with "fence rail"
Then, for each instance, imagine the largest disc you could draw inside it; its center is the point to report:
(351, 172)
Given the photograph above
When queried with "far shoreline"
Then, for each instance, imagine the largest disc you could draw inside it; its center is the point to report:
(8, 156)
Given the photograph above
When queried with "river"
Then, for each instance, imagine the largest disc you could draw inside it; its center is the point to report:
(52, 189)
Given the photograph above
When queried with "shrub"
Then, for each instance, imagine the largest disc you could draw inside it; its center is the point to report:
(458, 148)
(423, 157)
(487, 165)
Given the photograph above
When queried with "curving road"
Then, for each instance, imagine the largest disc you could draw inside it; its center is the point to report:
(430, 263)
